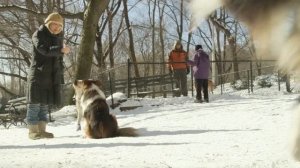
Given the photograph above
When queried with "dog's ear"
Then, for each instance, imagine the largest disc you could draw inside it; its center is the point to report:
(87, 83)
(98, 83)
(95, 82)
(75, 83)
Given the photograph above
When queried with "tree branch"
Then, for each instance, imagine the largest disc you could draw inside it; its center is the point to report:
(220, 26)
(11, 58)
(24, 53)
(14, 75)
(67, 15)
(7, 91)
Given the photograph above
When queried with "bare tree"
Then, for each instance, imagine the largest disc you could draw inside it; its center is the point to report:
(153, 23)
(174, 11)
(231, 38)
(161, 7)
(107, 21)
(86, 47)
(131, 42)
(146, 38)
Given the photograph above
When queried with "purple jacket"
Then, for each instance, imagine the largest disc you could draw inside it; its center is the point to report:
(201, 65)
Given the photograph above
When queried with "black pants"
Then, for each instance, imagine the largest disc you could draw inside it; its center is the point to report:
(181, 81)
(202, 85)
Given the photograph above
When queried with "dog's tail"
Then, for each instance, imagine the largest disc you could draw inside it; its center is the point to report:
(127, 132)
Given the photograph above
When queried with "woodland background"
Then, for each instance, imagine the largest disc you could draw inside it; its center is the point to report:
(104, 34)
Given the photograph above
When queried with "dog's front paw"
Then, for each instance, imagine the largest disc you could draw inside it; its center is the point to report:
(78, 127)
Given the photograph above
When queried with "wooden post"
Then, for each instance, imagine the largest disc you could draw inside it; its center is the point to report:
(128, 79)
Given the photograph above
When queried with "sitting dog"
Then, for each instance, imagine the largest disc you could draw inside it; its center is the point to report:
(275, 28)
(93, 110)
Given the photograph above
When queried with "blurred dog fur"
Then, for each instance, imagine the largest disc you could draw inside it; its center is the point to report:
(275, 28)
(94, 111)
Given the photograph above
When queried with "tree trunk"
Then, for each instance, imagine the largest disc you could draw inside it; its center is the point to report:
(161, 37)
(181, 20)
(232, 43)
(234, 55)
(189, 42)
(49, 6)
(91, 17)
(153, 36)
(110, 39)
(153, 44)
(130, 36)
(111, 50)
(100, 53)
(30, 17)
(288, 83)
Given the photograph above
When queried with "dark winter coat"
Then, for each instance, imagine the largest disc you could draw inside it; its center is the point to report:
(201, 65)
(46, 69)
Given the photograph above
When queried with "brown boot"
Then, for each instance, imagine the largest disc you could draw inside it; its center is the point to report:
(42, 130)
(34, 132)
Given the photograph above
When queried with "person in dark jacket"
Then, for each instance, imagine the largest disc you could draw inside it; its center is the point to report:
(201, 68)
(45, 74)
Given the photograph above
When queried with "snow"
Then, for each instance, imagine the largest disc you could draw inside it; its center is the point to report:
(234, 130)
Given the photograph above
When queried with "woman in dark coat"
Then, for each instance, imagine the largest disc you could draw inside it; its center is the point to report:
(45, 75)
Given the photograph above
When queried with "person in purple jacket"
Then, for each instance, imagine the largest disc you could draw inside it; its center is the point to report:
(201, 68)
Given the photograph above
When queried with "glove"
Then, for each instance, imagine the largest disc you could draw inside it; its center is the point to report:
(187, 70)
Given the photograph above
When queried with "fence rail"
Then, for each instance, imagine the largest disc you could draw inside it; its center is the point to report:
(154, 79)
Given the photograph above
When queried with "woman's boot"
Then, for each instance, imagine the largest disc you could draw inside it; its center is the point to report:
(32, 120)
(42, 130)
(34, 132)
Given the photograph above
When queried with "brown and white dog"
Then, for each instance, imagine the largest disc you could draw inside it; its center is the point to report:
(274, 25)
(211, 86)
(93, 110)
(275, 28)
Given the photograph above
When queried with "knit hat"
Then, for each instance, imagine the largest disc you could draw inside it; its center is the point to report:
(177, 42)
(54, 17)
(197, 47)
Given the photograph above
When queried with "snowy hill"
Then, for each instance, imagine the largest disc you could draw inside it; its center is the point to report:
(236, 130)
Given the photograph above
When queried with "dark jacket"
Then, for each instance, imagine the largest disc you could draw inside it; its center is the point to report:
(46, 69)
(201, 65)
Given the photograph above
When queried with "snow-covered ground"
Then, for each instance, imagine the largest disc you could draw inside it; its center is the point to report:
(235, 130)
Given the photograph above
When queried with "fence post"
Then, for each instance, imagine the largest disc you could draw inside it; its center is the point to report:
(128, 78)
(192, 78)
(172, 85)
(288, 83)
(248, 80)
(221, 80)
(278, 79)
(251, 76)
(111, 91)
(162, 87)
